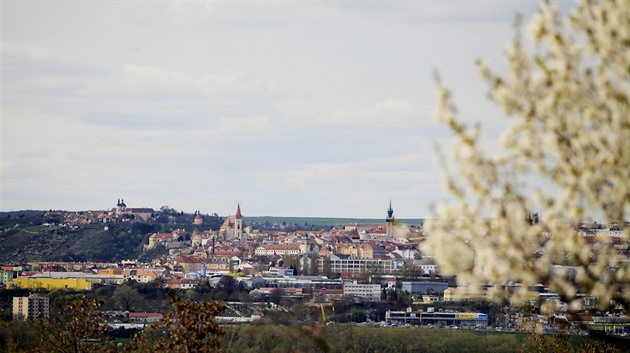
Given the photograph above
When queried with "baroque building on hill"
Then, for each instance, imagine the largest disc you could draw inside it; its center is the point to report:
(198, 219)
(122, 211)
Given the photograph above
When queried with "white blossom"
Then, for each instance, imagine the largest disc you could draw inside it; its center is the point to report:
(569, 105)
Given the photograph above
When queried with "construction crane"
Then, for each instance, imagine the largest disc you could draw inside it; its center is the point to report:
(323, 312)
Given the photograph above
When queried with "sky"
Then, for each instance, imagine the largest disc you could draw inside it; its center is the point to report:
(290, 108)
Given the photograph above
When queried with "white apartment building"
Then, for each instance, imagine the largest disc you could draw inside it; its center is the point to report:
(277, 249)
(352, 264)
(370, 292)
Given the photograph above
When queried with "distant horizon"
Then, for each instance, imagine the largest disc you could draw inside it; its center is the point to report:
(223, 213)
(226, 215)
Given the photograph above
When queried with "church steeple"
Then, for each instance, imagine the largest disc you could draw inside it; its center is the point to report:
(390, 212)
(120, 207)
(305, 244)
(238, 212)
(238, 225)
(390, 220)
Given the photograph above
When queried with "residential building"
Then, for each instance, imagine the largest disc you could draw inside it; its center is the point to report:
(182, 283)
(30, 307)
(465, 294)
(145, 317)
(350, 264)
(162, 238)
(278, 249)
(371, 250)
(142, 275)
(7, 276)
(407, 251)
(190, 264)
(347, 249)
(427, 266)
(279, 271)
(435, 288)
(369, 292)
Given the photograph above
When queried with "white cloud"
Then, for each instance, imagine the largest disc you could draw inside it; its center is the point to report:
(260, 13)
(382, 113)
(27, 52)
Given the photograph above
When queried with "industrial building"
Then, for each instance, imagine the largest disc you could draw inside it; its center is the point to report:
(50, 283)
(438, 319)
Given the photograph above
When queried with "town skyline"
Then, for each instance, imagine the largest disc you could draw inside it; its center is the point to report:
(121, 201)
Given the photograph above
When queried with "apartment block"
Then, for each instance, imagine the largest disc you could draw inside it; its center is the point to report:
(33, 306)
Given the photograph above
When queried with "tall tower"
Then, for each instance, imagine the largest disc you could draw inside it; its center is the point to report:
(121, 207)
(390, 220)
(198, 218)
(305, 245)
(238, 224)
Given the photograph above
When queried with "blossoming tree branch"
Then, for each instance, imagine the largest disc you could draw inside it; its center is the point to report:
(566, 153)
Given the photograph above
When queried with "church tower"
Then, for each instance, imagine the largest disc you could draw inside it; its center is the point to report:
(121, 208)
(390, 220)
(238, 224)
(305, 244)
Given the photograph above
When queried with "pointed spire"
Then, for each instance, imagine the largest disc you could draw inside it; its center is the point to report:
(238, 212)
(390, 211)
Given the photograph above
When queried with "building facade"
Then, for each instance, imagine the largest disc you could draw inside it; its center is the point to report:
(277, 249)
(350, 264)
(33, 306)
(50, 283)
(438, 319)
(369, 292)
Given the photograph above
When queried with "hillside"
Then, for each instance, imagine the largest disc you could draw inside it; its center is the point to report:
(35, 236)
(86, 243)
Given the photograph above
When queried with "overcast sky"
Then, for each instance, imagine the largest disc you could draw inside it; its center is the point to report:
(291, 108)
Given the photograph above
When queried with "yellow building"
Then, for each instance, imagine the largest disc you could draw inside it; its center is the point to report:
(347, 249)
(50, 283)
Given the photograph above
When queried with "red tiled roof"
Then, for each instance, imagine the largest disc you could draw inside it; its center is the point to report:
(188, 260)
(162, 236)
(227, 223)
